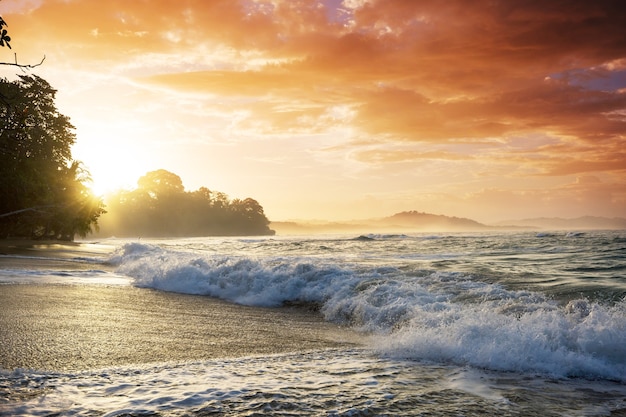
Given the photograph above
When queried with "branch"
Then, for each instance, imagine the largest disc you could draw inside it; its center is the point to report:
(23, 66)
(35, 209)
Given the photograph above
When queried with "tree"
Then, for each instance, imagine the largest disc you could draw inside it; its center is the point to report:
(42, 190)
(161, 183)
(160, 207)
(249, 216)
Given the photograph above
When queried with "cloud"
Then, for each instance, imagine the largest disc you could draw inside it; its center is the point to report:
(492, 89)
(19, 6)
(438, 72)
(579, 198)
(385, 156)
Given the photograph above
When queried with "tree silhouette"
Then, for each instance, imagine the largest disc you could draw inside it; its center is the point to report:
(42, 190)
(160, 207)
(4, 38)
(161, 183)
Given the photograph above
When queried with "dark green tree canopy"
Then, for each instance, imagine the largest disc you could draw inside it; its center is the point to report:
(42, 190)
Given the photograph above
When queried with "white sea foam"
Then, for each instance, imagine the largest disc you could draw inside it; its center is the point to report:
(476, 324)
(439, 316)
(237, 385)
(241, 279)
(550, 342)
(331, 382)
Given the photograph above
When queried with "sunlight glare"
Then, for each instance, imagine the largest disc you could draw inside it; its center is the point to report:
(110, 169)
(107, 179)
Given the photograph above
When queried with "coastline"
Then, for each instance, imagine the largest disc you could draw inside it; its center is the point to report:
(80, 327)
(73, 342)
(34, 254)
(71, 327)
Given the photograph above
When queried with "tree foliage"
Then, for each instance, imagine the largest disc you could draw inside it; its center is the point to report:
(160, 207)
(43, 192)
(4, 37)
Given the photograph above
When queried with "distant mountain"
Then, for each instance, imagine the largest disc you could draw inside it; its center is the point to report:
(557, 223)
(414, 221)
(407, 221)
(427, 221)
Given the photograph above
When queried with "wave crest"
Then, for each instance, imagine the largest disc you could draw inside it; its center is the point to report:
(428, 315)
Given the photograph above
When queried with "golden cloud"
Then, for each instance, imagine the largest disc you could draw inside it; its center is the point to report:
(413, 72)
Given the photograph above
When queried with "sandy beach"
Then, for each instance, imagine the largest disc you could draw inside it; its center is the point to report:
(70, 327)
(76, 327)
(34, 254)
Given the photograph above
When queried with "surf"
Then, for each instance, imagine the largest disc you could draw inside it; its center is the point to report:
(409, 311)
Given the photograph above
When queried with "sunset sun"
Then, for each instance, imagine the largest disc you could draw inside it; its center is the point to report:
(110, 169)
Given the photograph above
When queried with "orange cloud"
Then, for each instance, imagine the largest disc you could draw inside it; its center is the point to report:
(510, 88)
(427, 71)
(385, 156)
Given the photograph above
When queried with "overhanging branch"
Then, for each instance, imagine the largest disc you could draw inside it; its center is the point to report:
(37, 209)
(23, 66)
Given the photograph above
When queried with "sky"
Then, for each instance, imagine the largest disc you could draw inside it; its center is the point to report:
(352, 109)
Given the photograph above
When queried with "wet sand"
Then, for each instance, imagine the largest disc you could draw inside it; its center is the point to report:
(76, 327)
(28, 254)
(72, 327)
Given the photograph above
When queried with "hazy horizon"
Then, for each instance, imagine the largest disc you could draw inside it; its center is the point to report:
(344, 109)
(587, 222)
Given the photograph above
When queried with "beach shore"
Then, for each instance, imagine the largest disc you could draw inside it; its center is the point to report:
(74, 327)
(32, 254)
(63, 327)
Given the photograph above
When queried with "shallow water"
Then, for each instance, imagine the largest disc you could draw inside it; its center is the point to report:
(328, 382)
(451, 324)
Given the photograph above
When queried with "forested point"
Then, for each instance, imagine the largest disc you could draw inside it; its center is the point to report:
(160, 207)
(43, 191)
(44, 194)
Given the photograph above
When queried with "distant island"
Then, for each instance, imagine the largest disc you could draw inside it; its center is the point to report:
(415, 221)
(160, 207)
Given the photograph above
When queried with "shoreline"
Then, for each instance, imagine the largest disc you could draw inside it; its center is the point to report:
(55, 255)
(52, 247)
(68, 326)
(79, 327)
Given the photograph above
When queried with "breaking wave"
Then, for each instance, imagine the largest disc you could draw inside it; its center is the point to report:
(411, 312)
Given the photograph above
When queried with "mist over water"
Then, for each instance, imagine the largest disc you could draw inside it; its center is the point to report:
(483, 324)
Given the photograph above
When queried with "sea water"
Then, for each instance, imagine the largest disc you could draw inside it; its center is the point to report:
(500, 324)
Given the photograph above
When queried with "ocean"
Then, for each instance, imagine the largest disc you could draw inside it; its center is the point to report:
(440, 324)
